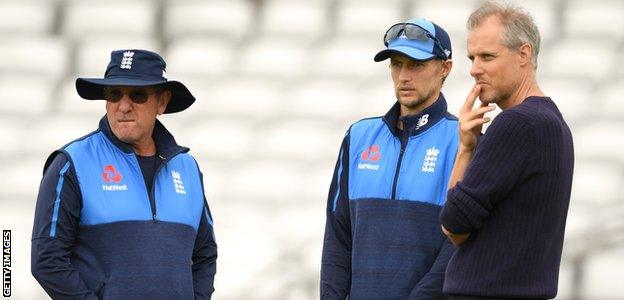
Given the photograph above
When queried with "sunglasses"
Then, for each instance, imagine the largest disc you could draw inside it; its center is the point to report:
(413, 32)
(136, 95)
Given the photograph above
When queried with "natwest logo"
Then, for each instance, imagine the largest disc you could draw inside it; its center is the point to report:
(372, 154)
(109, 175)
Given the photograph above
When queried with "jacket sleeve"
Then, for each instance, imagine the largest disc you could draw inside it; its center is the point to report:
(57, 217)
(430, 286)
(336, 257)
(204, 255)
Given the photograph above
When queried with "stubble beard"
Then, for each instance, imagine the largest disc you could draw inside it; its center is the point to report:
(414, 103)
(492, 96)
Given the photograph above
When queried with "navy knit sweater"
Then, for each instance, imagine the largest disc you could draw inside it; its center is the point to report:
(514, 201)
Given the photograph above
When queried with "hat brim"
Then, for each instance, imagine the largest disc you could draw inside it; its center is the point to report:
(93, 89)
(410, 52)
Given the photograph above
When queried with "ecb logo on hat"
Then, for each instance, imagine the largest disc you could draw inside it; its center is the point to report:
(126, 61)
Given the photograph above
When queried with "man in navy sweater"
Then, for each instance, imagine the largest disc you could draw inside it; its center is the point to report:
(507, 206)
(121, 212)
(382, 236)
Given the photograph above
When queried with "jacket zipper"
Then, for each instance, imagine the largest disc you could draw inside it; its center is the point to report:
(152, 197)
(398, 169)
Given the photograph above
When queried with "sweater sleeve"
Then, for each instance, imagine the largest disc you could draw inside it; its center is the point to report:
(336, 257)
(57, 217)
(499, 162)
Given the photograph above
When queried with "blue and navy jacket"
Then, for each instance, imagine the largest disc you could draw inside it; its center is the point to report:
(100, 233)
(382, 236)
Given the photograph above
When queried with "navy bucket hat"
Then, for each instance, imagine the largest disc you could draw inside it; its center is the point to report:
(424, 41)
(136, 68)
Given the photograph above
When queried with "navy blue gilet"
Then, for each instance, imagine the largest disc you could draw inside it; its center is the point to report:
(135, 242)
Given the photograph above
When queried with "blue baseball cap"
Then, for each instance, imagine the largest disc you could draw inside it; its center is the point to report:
(136, 68)
(437, 44)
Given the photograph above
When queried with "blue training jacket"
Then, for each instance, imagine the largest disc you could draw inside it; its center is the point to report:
(100, 233)
(382, 236)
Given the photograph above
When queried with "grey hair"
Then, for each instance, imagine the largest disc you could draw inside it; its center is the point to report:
(518, 26)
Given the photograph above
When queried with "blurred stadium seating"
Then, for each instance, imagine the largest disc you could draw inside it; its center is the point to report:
(278, 82)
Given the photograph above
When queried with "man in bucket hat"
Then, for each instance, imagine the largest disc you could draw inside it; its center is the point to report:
(382, 235)
(121, 212)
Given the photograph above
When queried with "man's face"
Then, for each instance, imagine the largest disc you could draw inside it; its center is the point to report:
(495, 67)
(130, 120)
(416, 83)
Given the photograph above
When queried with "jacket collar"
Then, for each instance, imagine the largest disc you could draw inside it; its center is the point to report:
(166, 145)
(415, 124)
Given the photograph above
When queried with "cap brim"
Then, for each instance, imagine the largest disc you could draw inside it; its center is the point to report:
(410, 52)
(93, 89)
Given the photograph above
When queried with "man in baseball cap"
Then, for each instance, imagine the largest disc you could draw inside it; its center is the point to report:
(419, 39)
(382, 236)
(121, 212)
